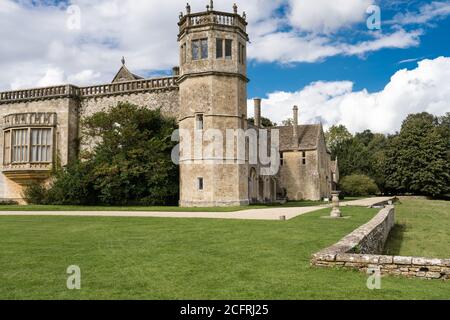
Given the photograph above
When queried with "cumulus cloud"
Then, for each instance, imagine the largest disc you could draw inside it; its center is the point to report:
(324, 16)
(38, 48)
(288, 47)
(424, 88)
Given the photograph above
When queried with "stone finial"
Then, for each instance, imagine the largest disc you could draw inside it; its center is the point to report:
(188, 8)
(123, 61)
(181, 15)
(244, 15)
(235, 8)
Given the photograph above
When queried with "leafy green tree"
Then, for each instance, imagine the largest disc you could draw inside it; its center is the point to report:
(265, 122)
(130, 162)
(416, 159)
(336, 136)
(444, 130)
(358, 185)
(288, 122)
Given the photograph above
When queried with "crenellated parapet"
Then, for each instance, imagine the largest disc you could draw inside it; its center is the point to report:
(71, 91)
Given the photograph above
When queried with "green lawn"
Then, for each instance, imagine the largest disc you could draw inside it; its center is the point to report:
(305, 203)
(423, 229)
(155, 258)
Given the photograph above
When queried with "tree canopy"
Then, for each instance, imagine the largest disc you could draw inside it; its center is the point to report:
(129, 162)
(415, 160)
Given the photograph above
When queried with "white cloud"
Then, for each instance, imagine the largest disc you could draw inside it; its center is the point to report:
(424, 88)
(325, 16)
(426, 13)
(38, 48)
(288, 47)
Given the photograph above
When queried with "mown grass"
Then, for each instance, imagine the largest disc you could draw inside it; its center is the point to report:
(422, 229)
(155, 258)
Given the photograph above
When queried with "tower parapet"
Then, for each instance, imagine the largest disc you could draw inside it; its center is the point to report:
(211, 18)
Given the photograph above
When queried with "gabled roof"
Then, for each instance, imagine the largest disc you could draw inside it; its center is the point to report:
(125, 75)
(308, 137)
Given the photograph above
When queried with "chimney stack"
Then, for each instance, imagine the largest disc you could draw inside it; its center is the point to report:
(295, 126)
(257, 112)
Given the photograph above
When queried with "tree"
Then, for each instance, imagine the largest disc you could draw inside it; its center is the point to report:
(417, 159)
(337, 135)
(358, 185)
(130, 162)
(288, 122)
(265, 122)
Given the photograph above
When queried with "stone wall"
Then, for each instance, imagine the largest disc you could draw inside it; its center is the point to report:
(359, 250)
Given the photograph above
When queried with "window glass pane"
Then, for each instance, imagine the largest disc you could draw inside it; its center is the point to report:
(195, 50)
(219, 48)
(240, 53)
(204, 43)
(228, 46)
(200, 122)
(41, 144)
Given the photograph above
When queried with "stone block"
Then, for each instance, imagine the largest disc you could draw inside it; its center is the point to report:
(433, 275)
(386, 259)
(402, 260)
(426, 261)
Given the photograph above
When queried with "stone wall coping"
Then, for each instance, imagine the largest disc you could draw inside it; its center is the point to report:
(67, 91)
(342, 254)
(352, 240)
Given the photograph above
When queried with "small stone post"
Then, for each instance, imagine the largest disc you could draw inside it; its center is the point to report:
(335, 212)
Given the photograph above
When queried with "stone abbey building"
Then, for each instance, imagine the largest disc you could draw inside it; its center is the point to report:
(207, 90)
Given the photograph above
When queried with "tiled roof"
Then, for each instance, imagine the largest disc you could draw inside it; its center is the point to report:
(125, 75)
(308, 136)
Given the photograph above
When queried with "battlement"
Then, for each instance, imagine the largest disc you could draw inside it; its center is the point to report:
(212, 18)
(71, 91)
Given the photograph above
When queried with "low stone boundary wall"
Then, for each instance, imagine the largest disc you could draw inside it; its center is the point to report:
(359, 250)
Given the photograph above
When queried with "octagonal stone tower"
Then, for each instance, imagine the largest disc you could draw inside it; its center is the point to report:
(213, 95)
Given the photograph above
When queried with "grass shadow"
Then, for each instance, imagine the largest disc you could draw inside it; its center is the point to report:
(395, 239)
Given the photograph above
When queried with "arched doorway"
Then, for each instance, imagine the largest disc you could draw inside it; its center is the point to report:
(273, 190)
(261, 190)
(253, 186)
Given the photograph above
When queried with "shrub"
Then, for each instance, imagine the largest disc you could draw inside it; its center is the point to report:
(35, 193)
(130, 163)
(358, 185)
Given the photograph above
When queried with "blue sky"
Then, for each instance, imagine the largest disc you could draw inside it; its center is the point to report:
(317, 54)
(371, 71)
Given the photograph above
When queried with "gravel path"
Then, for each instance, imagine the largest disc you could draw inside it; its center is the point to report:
(251, 214)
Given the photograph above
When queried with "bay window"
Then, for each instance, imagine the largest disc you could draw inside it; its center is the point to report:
(28, 145)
